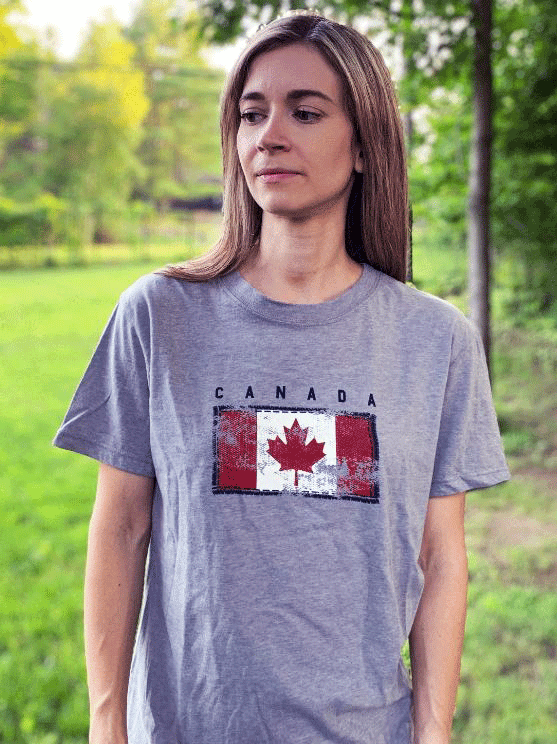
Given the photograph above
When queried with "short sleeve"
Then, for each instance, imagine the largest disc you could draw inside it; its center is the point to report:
(108, 418)
(469, 453)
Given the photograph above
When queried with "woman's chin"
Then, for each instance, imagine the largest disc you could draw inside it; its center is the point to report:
(302, 212)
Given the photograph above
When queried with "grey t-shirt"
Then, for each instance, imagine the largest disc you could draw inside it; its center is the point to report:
(295, 448)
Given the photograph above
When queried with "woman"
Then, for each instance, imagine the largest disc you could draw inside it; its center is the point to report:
(277, 421)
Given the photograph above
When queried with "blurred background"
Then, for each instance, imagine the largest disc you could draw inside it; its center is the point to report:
(110, 167)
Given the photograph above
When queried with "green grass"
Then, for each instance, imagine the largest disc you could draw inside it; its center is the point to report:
(49, 323)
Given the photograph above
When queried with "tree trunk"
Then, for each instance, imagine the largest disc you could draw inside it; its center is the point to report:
(407, 64)
(480, 175)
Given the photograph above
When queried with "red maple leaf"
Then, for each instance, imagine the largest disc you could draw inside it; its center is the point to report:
(296, 454)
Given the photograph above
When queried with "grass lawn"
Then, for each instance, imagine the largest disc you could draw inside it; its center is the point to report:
(49, 323)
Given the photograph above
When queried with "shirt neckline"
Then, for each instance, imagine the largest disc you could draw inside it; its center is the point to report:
(298, 314)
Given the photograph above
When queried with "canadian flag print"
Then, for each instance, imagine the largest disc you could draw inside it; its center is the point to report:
(312, 452)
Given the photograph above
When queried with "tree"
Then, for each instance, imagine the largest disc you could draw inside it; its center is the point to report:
(94, 126)
(79, 139)
(523, 202)
(180, 149)
(525, 163)
(17, 92)
(26, 212)
(9, 38)
(479, 224)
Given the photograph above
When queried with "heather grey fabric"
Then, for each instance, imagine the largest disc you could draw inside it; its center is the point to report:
(295, 448)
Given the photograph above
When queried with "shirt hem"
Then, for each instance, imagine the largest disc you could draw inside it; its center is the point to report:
(471, 483)
(104, 454)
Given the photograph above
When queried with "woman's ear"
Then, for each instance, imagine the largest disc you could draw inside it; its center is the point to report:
(359, 162)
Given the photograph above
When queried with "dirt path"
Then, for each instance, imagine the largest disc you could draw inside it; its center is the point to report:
(522, 546)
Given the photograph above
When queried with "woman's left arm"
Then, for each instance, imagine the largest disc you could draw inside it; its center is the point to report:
(438, 629)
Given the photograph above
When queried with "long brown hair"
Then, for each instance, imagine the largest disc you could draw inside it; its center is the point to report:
(377, 215)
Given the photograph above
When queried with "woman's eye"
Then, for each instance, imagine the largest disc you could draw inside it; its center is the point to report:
(307, 116)
(251, 117)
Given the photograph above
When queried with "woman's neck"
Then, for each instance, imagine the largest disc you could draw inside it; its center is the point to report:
(301, 262)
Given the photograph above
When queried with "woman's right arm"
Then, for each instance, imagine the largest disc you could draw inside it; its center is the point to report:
(119, 535)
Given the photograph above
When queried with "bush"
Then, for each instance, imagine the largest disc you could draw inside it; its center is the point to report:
(29, 223)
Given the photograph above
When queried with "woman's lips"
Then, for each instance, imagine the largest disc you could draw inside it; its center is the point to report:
(276, 176)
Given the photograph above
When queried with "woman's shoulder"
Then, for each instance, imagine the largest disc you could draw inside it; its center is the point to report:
(156, 289)
(425, 312)
(411, 299)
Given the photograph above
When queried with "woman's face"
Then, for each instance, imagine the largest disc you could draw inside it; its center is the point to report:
(295, 141)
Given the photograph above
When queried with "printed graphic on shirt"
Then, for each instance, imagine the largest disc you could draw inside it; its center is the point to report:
(312, 452)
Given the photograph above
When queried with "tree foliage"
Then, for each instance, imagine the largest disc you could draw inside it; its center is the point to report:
(96, 127)
(80, 140)
(525, 203)
(9, 38)
(181, 127)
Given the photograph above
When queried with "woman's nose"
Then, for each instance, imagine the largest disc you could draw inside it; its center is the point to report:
(272, 136)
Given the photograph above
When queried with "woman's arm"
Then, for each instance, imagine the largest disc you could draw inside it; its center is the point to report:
(118, 541)
(438, 629)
